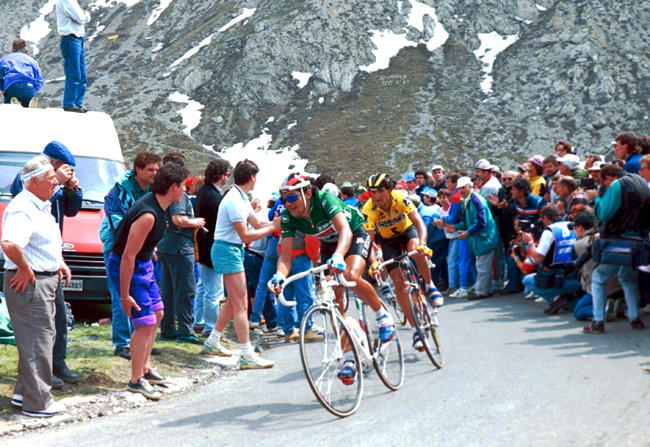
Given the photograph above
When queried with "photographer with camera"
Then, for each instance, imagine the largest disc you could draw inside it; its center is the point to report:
(623, 207)
(552, 257)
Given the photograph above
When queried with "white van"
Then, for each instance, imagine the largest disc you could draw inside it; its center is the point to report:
(92, 139)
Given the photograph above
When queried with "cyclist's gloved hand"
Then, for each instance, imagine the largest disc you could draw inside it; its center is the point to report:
(374, 268)
(379, 255)
(337, 262)
(422, 248)
(275, 284)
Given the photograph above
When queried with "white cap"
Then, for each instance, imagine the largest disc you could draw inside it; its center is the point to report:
(331, 188)
(483, 165)
(571, 161)
(436, 167)
(463, 181)
(597, 166)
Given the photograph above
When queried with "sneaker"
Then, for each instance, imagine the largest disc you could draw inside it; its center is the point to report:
(209, 349)
(253, 324)
(53, 410)
(386, 328)
(417, 342)
(192, 339)
(435, 297)
(450, 291)
(143, 387)
(15, 101)
(292, 337)
(348, 372)
(279, 332)
(460, 293)
(531, 296)
(17, 400)
(317, 329)
(646, 310)
(152, 376)
(595, 327)
(637, 324)
(255, 362)
(312, 336)
(539, 299)
(472, 289)
(125, 353)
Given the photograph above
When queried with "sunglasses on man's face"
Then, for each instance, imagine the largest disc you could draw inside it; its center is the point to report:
(289, 198)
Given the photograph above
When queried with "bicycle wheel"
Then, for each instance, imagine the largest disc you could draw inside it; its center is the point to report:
(389, 361)
(424, 326)
(322, 360)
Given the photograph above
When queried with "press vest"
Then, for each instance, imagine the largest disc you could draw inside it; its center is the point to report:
(564, 238)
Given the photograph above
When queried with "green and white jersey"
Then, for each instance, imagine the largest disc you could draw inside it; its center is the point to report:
(324, 206)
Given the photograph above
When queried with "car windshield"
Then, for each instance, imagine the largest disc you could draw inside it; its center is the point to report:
(96, 176)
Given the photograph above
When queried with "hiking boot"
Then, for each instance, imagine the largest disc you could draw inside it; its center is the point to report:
(209, 349)
(417, 342)
(143, 387)
(66, 375)
(460, 293)
(56, 382)
(312, 336)
(637, 324)
(292, 337)
(386, 328)
(595, 327)
(152, 376)
(192, 339)
(435, 297)
(255, 362)
(348, 372)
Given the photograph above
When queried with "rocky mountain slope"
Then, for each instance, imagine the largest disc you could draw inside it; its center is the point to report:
(307, 76)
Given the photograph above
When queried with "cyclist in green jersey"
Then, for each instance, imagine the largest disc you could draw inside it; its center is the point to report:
(344, 243)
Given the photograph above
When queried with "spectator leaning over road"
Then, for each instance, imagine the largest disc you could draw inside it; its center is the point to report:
(235, 213)
(623, 207)
(70, 20)
(436, 240)
(570, 167)
(133, 185)
(176, 253)
(438, 177)
(626, 149)
(31, 243)
(20, 76)
(551, 255)
(65, 202)
(478, 225)
(131, 271)
(208, 200)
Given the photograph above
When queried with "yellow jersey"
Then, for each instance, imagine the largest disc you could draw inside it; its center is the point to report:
(391, 224)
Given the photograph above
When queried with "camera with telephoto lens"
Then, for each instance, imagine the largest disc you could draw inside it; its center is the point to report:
(535, 229)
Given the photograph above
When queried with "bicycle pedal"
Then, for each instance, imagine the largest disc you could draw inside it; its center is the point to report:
(347, 381)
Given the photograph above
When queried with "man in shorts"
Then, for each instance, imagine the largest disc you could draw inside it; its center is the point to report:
(131, 271)
(230, 235)
(344, 243)
(394, 225)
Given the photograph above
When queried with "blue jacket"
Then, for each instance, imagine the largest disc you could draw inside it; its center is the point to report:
(352, 201)
(479, 224)
(19, 67)
(64, 202)
(428, 213)
(633, 164)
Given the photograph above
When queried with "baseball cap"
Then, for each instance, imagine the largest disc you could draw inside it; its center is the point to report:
(189, 181)
(430, 192)
(346, 184)
(495, 168)
(538, 160)
(331, 188)
(360, 190)
(597, 166)
(571, 161)
(463, 181)
(59, 151)
(483, 165)
(410, 177)
(436, 167)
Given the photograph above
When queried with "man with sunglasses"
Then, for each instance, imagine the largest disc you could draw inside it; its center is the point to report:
(394, 225)
(344, 243)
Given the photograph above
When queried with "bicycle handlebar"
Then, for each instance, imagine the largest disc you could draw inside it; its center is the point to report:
(297, 276)
(399, 258)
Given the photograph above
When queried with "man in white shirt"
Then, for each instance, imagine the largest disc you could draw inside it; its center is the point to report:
(31, 243)
(71, 19)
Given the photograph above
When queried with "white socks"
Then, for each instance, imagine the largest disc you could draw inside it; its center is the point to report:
(247, 350)
(215, 338)
(380, 313)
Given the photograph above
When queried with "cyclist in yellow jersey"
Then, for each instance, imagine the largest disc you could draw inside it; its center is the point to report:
(393, 223)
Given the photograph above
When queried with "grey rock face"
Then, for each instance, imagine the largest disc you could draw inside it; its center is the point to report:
(578, 70)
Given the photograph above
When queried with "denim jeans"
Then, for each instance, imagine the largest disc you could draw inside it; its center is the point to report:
(584, 309)
(121, 330)
(513, 275)
(22, 91)
(627, 277)
(466, 265)
(262, 294)
(254, 265)
(484, 273)
(570, 286)
(452, 263)
(439, 259)
(301, 292)
(74, 67)
(197, 305)
(206, 306)
(177, 290)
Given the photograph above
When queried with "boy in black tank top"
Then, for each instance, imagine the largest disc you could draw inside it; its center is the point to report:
(131, 271)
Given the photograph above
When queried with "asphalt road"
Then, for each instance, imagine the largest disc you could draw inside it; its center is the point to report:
(512, 376)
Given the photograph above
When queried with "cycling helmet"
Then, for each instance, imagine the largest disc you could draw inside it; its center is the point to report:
(295, 183)
(379, 181)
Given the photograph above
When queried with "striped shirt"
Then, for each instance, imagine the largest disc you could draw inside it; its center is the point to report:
(28, 223)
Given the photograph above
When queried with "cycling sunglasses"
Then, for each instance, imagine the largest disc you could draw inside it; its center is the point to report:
(289, 198)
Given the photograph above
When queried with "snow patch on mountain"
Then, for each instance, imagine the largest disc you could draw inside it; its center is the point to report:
(191, 113)
(158, 11)
(193, 51)
(302, 78)
(248, 12)
(491, 45)
(39, 28)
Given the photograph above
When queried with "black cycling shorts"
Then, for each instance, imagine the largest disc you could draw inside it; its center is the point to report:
(360, 246)
(395, 246)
